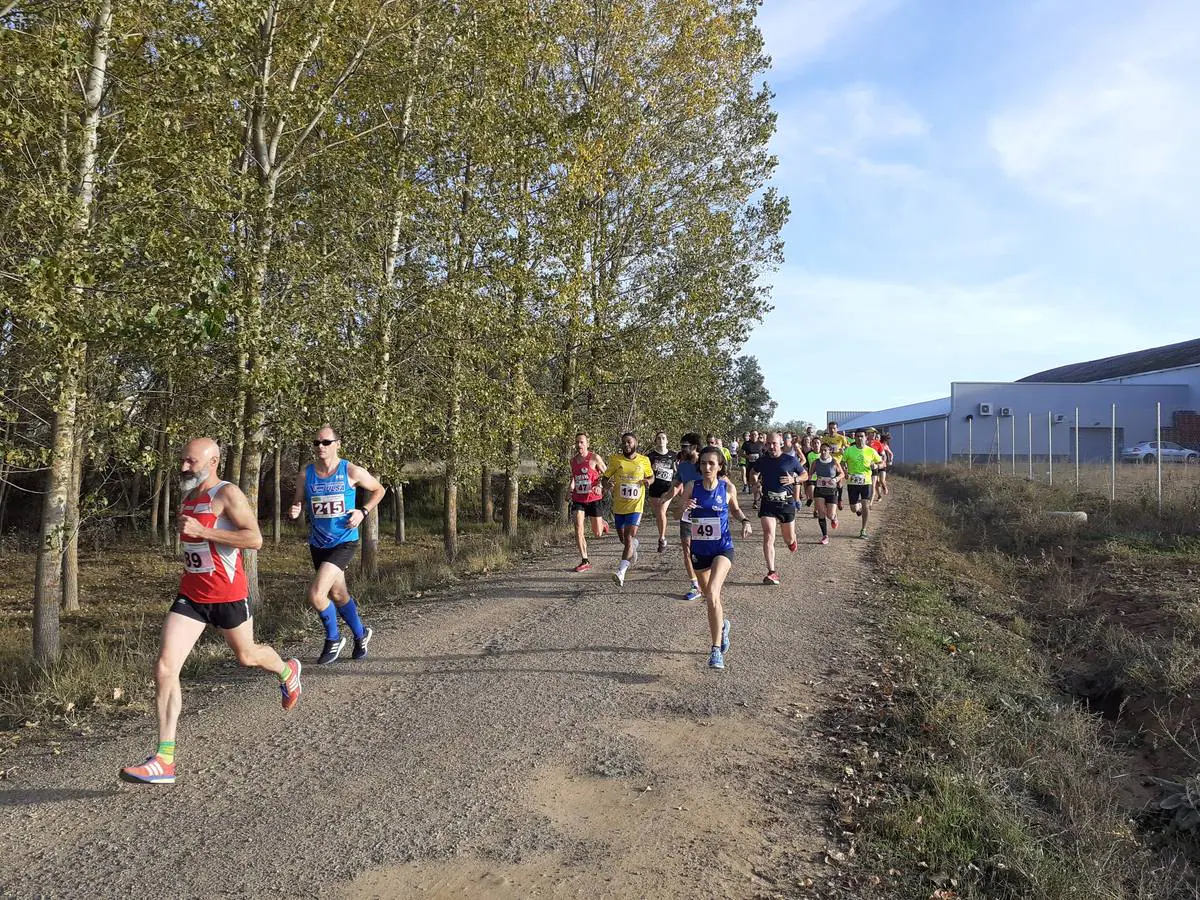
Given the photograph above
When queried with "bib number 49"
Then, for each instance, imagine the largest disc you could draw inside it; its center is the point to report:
(708, 529)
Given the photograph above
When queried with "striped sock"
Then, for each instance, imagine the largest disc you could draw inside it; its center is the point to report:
(166, 751)
(286, 673)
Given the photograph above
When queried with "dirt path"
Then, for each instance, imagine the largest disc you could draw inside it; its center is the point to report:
(538, 733)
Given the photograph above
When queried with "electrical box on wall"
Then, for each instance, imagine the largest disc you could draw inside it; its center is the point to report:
(1006, 411)
(1058, 420)
(985, 409)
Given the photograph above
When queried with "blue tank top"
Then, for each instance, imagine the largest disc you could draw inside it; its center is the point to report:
(686, 471)
(710, 520)
(330, 502)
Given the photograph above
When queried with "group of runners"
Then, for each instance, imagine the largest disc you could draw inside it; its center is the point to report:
(782, 472)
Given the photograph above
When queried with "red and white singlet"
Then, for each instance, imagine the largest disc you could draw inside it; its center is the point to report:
(585, 480)
(212, 573)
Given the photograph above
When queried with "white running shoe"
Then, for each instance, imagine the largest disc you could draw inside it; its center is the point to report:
(619, 578)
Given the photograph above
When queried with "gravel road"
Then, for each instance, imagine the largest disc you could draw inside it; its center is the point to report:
(535, 733)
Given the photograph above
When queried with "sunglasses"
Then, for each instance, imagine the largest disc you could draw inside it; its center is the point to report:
(324, 442)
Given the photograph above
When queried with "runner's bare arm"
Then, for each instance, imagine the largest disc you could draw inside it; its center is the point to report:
(598, 462)
(360, 477)
(236, 508)
(735, 508)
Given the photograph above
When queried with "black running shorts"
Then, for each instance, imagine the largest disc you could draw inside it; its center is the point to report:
(338, 555)
(219, 615)
(590, 509)
(783, 512)
(857, 493)
(704, 563)
(658, 488)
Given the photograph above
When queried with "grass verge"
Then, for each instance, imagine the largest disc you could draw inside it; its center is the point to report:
(1034, 678)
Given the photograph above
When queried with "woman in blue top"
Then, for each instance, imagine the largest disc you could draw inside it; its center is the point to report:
(685, 473)
(708, 502)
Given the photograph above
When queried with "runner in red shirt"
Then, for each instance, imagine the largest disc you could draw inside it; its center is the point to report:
(586, 494)
(215, 524)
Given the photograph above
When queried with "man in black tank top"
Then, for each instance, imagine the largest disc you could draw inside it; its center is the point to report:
(661, 490)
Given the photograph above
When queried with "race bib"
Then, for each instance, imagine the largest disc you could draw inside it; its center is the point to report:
(752, 457)
(631, 491)
(860, 479)
(706, 529)
(330, 506)
(663, 472)
(197, 558)
(830, 482)
(779, 496)
(583, 484)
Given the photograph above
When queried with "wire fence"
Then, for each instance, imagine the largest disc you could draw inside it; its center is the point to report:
(1067, 449)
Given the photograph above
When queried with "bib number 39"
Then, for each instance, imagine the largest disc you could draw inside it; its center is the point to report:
(197, 558)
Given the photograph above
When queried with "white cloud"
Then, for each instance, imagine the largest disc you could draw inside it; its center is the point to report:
(797, 32)
(1116, 123)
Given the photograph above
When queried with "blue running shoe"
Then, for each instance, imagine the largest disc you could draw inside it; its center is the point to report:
(725, 637)
(694, 593)
(715, 659)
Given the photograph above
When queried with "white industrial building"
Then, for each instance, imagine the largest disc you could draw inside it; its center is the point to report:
(1048, 413)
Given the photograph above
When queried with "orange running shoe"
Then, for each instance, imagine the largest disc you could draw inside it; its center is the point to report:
(152, 771)
(291, 688)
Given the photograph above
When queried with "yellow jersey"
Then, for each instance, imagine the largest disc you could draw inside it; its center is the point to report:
(839, 442)
(629, 489)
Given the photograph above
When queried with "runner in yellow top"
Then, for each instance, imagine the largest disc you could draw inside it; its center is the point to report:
(859, 460)
(631, 474)
(839, 442)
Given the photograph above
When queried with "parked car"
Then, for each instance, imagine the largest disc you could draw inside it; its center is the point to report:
(1147, 452)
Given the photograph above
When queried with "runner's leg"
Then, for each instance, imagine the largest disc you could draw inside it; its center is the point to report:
(179, 636)
(713, 581)
(250, 654)
(580, 539)
(768, 540)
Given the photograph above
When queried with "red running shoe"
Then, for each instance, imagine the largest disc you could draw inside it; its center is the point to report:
(833, 524)
(291, 688)
(583, 566)
(771, 578)
(792, 546)
(152, 771)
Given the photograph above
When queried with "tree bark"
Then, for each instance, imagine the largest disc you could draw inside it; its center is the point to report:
(487, 508)
(370, 544)
(164, 513)
(512, 480)
(277, 505)
(398, 494)
(160, 479)
(70, 586)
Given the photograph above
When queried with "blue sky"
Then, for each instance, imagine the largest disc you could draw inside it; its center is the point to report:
(978, 191)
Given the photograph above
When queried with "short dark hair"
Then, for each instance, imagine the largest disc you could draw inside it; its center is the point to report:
(626, 434)
(580, 434)
(692, 438)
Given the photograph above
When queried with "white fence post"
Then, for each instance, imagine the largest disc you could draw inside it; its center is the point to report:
(1158, 450)
(924, 444)
(1077, 448)
(1013, 428)
(946, 440)
(1030, 432)
(970, 443)
(1113, 462)
(1050, 443)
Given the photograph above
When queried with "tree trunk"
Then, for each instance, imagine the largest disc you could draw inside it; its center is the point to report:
(10, 428)
(135, 497)
(512, 480)
(370, 545)
(277, 517)
(487, 508)
(398, 494)
(70, 585)
(48, 583)
(164, 513)
(160, 480)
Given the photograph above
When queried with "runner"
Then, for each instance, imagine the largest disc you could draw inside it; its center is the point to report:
(631, 474)
(754, 449)
(781, 477)
(662, 462)
(215, 524)
(686, 471)
(812, 452)
(839, 442)
(329, 491)
(714, 441)
(709, 501)
(884, 448)
(587, 467)
(827, 474)
(858, 460)
(741, 459)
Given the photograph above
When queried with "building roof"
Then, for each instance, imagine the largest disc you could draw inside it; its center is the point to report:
(914, 412)
(1172, 356)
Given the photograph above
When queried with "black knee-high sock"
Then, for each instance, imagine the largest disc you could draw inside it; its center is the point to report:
(824, 527)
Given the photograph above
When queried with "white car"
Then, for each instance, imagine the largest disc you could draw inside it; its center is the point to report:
(1147, 452)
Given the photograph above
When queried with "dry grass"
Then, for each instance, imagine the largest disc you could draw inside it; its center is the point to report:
(991, 779)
